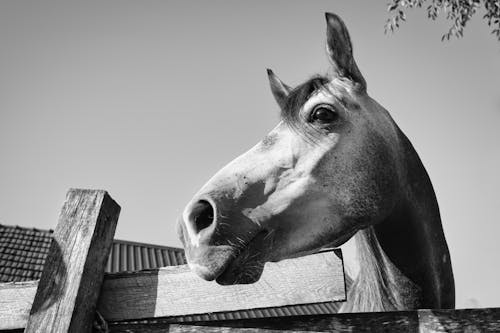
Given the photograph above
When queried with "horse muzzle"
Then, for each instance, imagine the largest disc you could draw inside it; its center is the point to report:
(228, 248)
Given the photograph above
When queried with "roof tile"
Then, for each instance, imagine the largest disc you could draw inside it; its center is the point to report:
(23, 252)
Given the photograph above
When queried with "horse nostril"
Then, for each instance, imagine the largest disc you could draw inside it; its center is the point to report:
(202, 215)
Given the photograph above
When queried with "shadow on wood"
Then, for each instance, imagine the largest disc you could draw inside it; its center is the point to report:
(51, 292)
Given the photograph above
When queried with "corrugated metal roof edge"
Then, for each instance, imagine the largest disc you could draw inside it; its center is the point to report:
(165, 247)
(288, 311)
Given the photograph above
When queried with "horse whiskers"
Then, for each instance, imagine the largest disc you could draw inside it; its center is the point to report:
(230, 243)
(222, 216)
(257, 254)
(269, 234)
(223, 224)
(240, 240)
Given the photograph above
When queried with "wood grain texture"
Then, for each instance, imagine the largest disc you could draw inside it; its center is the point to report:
(470, 320)
(358, 322)
(74, 268)
(15, 303)
(170, 291)
(420, 321)
(175, 291)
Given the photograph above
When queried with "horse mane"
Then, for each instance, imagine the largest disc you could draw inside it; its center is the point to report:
(379, 285)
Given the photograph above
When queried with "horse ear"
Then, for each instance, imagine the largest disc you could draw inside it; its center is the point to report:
(279, 89)
(339, 49)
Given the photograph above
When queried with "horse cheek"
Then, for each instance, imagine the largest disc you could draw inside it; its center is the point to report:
(368, 186)
(381, 190)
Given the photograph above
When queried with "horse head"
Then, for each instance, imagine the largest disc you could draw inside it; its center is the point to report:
(335, 164)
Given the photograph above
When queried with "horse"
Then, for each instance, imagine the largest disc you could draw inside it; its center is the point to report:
(336, 171)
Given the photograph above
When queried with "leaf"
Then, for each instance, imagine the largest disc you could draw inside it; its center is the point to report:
(392, 7)
(459, 12)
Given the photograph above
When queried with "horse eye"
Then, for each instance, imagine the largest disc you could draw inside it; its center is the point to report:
(324, 115)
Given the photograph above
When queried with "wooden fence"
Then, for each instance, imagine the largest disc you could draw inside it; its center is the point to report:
(74, 294)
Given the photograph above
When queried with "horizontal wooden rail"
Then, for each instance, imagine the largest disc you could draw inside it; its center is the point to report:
(419, 321)
(16, 299)
(174, 291)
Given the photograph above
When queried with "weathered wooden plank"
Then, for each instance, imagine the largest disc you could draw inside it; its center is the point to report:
(160, 293)
(175, 291)
(471, 320)
(15, 303)
(449, 321)
(353, 322)
(419, 321)
(74, 268)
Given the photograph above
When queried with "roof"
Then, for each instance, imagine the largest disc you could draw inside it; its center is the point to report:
(23, 252)
(278, 311)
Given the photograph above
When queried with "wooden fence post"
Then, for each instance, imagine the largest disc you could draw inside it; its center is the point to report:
(68, 290)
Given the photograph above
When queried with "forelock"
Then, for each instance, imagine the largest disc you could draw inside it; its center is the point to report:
(299, 96)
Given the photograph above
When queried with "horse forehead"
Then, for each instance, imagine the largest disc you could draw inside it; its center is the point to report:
(336, 89)
(339, 86)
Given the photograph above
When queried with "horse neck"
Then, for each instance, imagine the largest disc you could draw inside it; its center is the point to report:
(404, 261)
(379, 284)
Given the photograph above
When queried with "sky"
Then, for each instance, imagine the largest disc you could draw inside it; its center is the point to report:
(148, 99)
